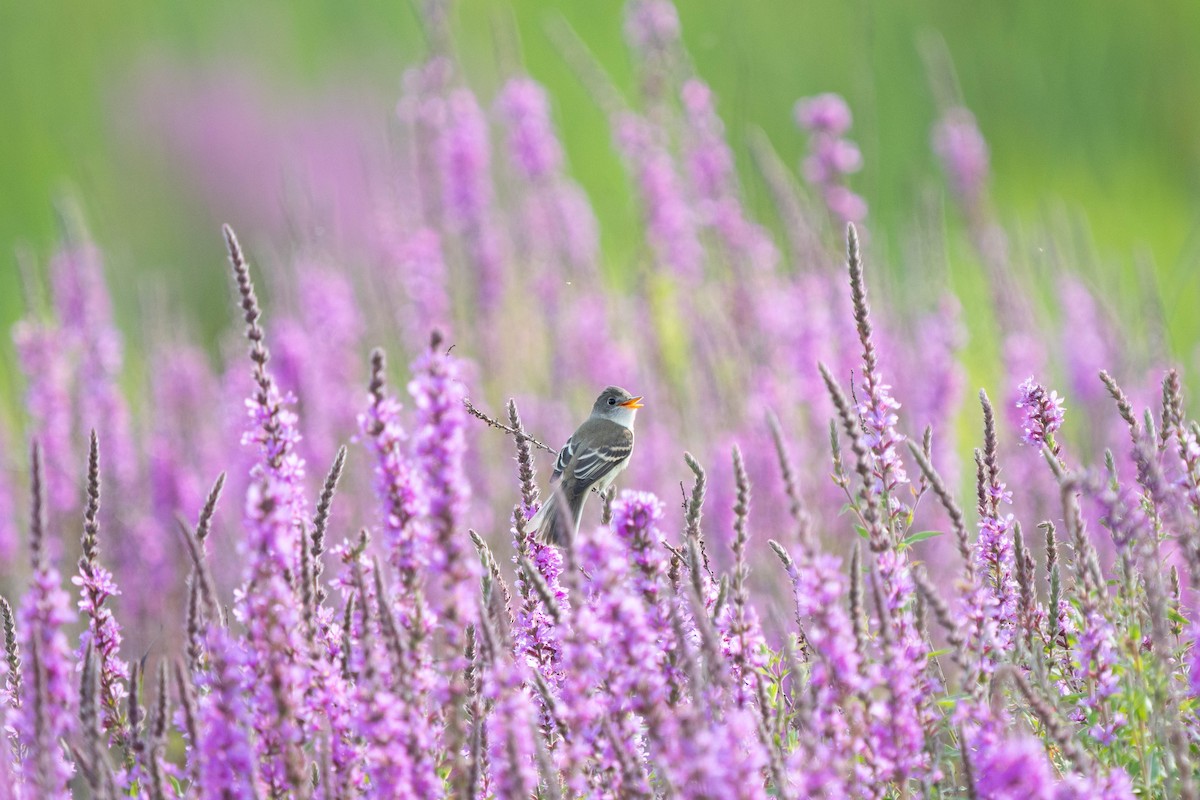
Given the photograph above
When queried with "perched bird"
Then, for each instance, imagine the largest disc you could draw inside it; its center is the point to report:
(591, 459)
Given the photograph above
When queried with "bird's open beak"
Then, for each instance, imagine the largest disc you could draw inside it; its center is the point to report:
(634, 402)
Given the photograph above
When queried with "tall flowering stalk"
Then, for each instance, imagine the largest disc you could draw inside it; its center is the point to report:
(438, 448)
(635, 520)
(464, 157)
(537, 620)
(404, 502)
(670, 220)
(994, 554)
(555, 226)
(45, 356)
(512, 748)
(276, 655)
(46, 716)
(831, 157)
(963, 152)
(878, 408)
(837, 681)
(227, 767)
(712, 174)
(103, 634)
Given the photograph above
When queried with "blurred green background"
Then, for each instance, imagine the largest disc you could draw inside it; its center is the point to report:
(1091, 109)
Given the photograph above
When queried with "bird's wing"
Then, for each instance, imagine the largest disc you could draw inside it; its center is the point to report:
(608, 446)
(564, 458)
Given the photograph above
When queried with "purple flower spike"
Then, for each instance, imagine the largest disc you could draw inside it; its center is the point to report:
(650, 24)
(963, 153)
(831, 157)
(824, 113)
(532, 143)
(1043, 414)
(713, 175)
(227, 769)
(48, 710)
(670, 220)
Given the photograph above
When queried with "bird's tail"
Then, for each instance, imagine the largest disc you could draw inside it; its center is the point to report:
(556, 522)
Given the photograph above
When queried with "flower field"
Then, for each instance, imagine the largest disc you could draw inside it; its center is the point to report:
(301, 565)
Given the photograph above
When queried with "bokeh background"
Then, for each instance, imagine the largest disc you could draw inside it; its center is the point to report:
(1092, 112)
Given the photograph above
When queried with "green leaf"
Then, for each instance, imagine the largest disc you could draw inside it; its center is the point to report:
(862, 531)
(919, 536)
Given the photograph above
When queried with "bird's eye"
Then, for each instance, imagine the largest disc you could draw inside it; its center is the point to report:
(612, 401)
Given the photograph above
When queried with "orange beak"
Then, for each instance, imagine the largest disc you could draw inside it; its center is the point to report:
(634, 402)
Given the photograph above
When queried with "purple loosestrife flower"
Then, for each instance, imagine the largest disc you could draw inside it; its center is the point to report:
(535, 634)
(963, 152)
(1113, 785)
(716, 756)
(937, 383)
(557, 218)
(185, 448)
(713, 176)
(824, 113)
(438, 447)
(878, 408)
(831, 157)
(532, 142)
(1087, 339)
(226, 747)
(85, 312)
(1098, 658)
(419, 269)
(267, 603)
(635, 522)
(105, 633)
(9, 782)
(651, 24)
(404, 503)
(1012, 768)
(512, 750)
(554, 228)
(47, 714)
(275, 652)
(322, 358)
(669, 218)
(391, 720)
(897, 725)
(1194, 661)
(46, 354)
(1043, 414)
(824, 764)
(273, 432)
(464, 157)
(996, 561)
(609, 655)
(386, 724)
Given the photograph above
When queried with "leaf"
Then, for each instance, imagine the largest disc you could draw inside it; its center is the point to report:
(862, 531)
(919, 536)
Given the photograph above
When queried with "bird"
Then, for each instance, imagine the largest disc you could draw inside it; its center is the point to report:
(592, 458)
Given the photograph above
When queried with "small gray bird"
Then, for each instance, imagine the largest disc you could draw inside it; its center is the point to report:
(591, 459)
